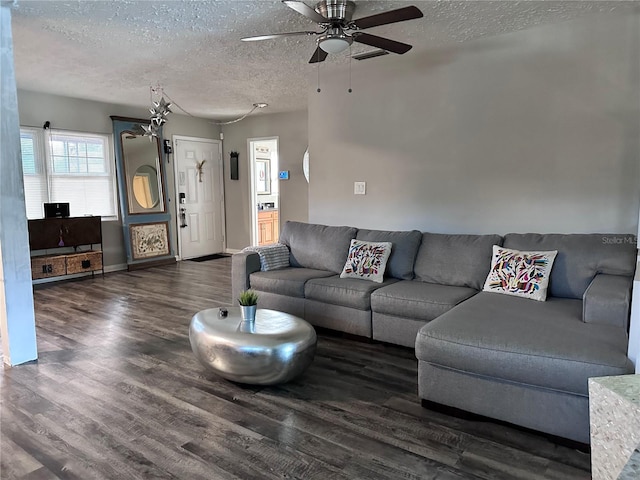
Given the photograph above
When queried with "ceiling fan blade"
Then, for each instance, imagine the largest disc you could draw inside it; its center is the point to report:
(392, 16)
(305, 10)
(275, 35)
(318, 56)
(383, 43)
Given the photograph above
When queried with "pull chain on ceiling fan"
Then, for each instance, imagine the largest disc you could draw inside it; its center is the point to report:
(339, 31)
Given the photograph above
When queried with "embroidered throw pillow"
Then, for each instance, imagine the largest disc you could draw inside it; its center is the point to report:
(367, 260)
(523, 274)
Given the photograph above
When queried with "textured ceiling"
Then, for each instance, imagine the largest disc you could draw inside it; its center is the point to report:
(113, 51)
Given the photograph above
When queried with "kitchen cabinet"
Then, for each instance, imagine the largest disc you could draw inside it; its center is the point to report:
(268, 227)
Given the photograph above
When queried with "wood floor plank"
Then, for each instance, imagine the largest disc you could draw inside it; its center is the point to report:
(117, 393)
(15, 462)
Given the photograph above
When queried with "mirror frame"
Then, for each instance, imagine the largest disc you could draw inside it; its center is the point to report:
(141, 224)
(129, 196)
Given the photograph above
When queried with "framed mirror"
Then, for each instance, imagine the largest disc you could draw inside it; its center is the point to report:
(143, 173)
(147, 225)
(263, 176)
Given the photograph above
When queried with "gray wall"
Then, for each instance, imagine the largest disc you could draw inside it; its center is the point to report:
(537, 130)
(291, 128)
(88, 116)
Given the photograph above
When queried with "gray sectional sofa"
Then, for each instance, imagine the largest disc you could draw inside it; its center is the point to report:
(508, 358)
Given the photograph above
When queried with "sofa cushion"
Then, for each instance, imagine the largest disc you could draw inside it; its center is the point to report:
(403, 251)
(544, 344)
(459, 260)
(348, 292)
(580, 258)
(418, 300)
(317, 246)
(287, 281)
(523, 274)
(366, 260)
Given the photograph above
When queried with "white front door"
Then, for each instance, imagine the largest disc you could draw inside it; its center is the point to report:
(200, 196)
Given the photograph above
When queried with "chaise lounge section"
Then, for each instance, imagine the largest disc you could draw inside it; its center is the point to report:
(527, 362)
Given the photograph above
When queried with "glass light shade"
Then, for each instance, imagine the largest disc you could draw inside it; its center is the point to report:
(334, 45)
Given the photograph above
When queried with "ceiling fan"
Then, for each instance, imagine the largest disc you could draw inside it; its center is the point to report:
(339, 31)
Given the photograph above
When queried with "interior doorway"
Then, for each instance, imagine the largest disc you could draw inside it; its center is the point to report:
(200, 192)
(264, 190)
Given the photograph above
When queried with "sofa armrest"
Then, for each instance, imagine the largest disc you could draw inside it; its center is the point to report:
(607, 300)
(243, 264)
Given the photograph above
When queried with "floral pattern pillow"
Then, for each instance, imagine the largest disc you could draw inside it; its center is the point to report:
(367, 260)
(523, 274)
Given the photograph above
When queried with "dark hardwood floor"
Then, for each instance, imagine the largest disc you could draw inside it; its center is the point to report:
(117, 394)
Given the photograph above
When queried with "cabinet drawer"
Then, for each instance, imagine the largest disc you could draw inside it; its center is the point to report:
(265, 215)
(84, 262)
(48, 266)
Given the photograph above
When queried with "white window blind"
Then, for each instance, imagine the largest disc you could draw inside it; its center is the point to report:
(74, 167)
(35, 179)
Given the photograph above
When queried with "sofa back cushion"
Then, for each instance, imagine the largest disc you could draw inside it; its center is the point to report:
(317, 246)
(458, 260)
(403, 250)
(580, 257)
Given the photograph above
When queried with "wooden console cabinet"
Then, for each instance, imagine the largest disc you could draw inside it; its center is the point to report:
(268, 227)
(58, 233)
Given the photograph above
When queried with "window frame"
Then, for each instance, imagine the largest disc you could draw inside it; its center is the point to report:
(44, 163)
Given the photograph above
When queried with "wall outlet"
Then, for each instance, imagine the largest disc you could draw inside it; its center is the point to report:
(359, 188)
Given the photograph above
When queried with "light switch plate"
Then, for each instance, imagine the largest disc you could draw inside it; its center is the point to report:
(359, 188)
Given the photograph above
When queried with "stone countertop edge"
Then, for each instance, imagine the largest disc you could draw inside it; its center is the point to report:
(626, 386)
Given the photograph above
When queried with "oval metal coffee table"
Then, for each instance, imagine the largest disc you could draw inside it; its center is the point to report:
(274, 349)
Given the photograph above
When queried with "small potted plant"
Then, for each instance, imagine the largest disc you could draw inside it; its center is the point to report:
(248, 301)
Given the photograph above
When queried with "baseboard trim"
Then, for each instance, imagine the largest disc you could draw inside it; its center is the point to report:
(151, 263)
(118, 267)
(231, 250)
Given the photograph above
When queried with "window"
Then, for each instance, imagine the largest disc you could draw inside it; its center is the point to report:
(35, 181)
(68, 167)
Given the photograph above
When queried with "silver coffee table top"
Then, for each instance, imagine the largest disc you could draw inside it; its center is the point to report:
(274, 349)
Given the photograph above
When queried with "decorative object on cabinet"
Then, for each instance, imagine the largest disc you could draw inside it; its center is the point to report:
(149, 240)
(57, 233)
(142, 187)
(56, 210)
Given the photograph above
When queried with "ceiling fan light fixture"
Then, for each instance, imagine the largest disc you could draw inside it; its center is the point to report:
(334, 44)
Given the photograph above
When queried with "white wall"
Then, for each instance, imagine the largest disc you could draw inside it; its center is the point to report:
(89, 116)
(531, 131)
